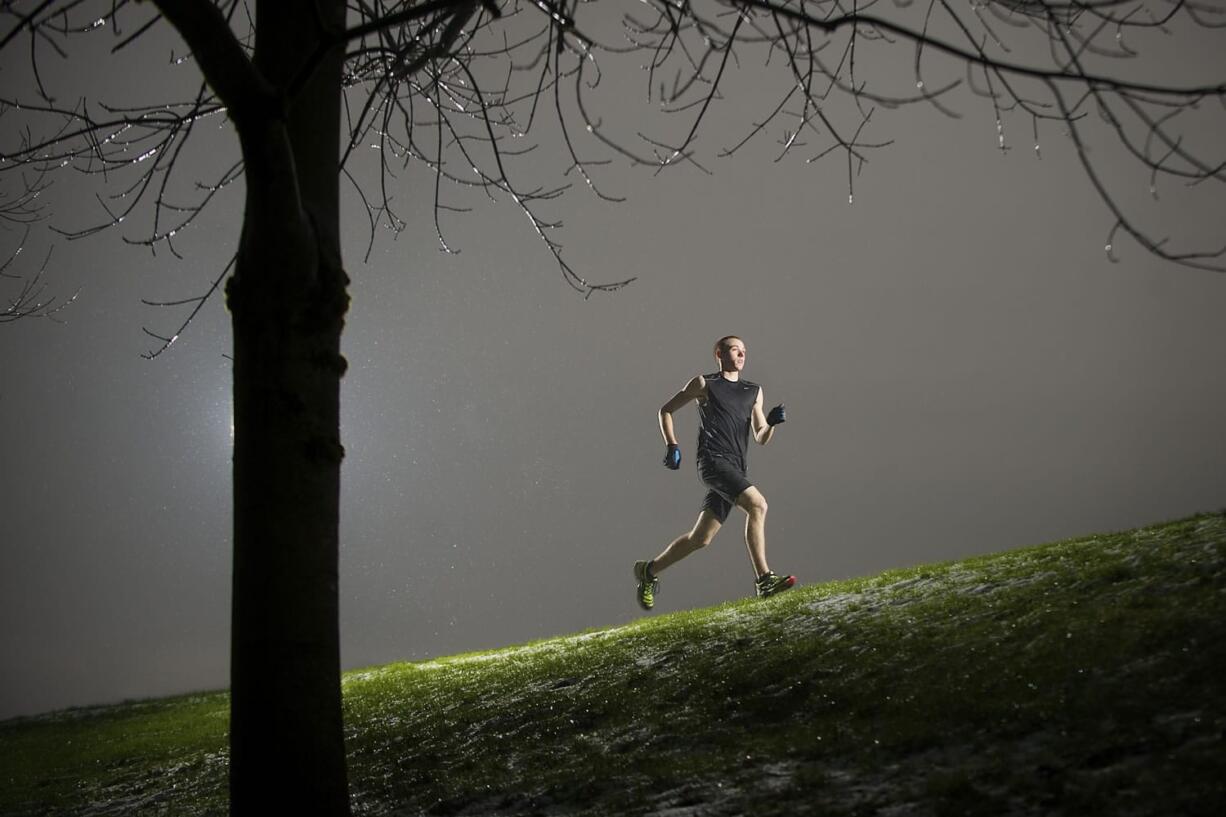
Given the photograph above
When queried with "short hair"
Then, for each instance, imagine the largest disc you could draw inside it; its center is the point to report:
(719, 344)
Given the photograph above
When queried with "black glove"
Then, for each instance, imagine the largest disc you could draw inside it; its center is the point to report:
(776, 416)
(672, 460)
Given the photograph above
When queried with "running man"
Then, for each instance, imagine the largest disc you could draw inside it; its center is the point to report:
(729, 409)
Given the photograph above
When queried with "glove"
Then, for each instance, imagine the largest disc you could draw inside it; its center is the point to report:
(672, 460)
(776, 416)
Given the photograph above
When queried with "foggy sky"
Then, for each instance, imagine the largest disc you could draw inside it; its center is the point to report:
(965, 372)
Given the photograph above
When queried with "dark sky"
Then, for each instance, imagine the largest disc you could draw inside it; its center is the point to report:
(965, 371)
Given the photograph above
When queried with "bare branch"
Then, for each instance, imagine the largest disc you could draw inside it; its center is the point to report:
(31, 300)
(198, 303)
(222, 58)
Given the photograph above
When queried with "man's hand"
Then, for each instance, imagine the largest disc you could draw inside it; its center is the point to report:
(777, 416)
(672, 460)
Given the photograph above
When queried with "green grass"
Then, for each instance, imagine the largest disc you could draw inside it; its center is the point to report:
(1081, 678)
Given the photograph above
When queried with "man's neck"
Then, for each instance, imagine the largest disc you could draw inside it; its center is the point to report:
(732, 376)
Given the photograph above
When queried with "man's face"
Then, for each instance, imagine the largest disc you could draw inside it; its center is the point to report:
(732, 355)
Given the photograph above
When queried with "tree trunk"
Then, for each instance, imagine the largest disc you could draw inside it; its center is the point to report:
(287, 300)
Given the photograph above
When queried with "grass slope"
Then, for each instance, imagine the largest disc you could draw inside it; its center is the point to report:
(1082, 677)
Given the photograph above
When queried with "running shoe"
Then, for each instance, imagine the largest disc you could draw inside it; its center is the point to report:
(646, 591)
(768, 584)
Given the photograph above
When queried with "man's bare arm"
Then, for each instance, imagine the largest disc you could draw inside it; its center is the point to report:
(694, 390)
(762, 431)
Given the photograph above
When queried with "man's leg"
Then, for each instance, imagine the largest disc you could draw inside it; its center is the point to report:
(767, 583)
(699, 537)
(753, 504)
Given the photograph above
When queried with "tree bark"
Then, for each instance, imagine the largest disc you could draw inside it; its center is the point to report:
(287, 301)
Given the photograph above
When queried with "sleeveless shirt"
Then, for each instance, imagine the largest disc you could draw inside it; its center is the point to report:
(724, 419)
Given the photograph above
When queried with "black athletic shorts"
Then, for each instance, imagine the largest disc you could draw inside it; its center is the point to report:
(724, 481)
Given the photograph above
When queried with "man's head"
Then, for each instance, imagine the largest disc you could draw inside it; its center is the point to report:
(730, 352)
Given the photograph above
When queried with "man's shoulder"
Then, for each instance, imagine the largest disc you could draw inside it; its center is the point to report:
(697, 387)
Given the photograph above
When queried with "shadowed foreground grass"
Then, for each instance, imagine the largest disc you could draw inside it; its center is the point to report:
(1077, 678)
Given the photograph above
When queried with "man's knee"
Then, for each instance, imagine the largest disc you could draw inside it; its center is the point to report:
(753, 503)
(701, 536)
(704, 531)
